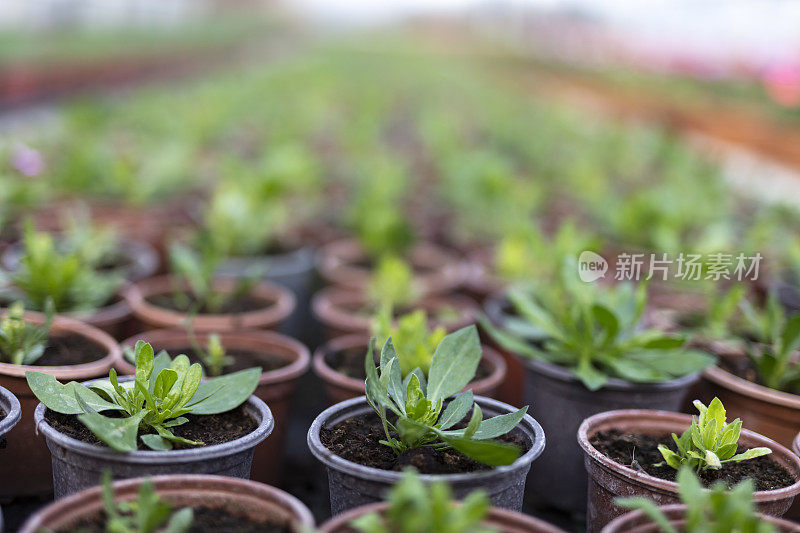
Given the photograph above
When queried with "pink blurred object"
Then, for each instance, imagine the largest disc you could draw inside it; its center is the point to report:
(782, 83)
(27, 161)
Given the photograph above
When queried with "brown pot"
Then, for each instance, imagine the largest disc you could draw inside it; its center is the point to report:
(501, 520)
(436, 271)
(340, 387)
(239, 496)
(638, 522)
(341, 311)
(609, 480)
(278, 305)
(114, 319)
(275, 387)
(26, 466)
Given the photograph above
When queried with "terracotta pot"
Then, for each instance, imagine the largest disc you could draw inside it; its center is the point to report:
(436, 271)
(275, 387)
(501, 520)
(10, 406)
(278, 304)
(638, 522)
(340, 387)
(609, 480)
(344, 312)
(254, 500)
(26, 464)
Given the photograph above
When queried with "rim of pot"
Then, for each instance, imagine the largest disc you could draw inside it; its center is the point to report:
(62, 324)
(796, 444)
(166, 486)
(637, 521)
(608, 418)
(331, 460)
(496, 517)
(345, 342)
(265, 427)
(727, 380)
(296, 368)
(11, 406)
(280, 302)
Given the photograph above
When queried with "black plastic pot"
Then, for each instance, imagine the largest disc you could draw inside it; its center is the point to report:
(78, 465)
(562, 403)
(10, 405)
(352, 485)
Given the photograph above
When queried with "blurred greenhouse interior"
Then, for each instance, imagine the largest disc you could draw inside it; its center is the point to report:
(607, 187)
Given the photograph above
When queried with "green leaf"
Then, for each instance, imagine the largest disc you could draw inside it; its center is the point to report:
(191, 382)
(474, 421)
(238, 387)
(156, 442)
(164, 382)
(456, 410)
(716, 412)
(181, 521)
(664, 343)
(488, 452)
(411, 431)
(752, 453)
(790, 336)
(143, 354)
(499, 425)
(454, 363)
(650, 509)
(63, 398)
(670, 457)
(118, 433)
(608, 320)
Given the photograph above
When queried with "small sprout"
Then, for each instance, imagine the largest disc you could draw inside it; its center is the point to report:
(213, 355)
(21, 342)
(392, 284)
(146, 514)
(413, 342)
(709, 442)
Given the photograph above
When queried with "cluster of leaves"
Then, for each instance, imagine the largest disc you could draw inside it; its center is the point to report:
(419, 403)
(709, 442)
(594, 331)
(414, 343)
(162, 392)
(146, 514)
(713, 510)
(392, 284)
(213, 355)
(417, 508)
(717, 320)
(22, 342)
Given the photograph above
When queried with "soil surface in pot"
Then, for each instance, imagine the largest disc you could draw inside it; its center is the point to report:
(238, 304)
(351, 364)
(205, 519)
(70, 349)
(3, 414)
(640, 452)
(357, 439)
(242, 359)
(209, 429)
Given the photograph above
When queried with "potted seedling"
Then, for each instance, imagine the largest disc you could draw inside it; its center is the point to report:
(413, 507)
(340, 362)
(585, 352)
(212, 303)
(282, 361)
(391, 289)
(174, 504)
(61, 347)
(638, 453)
(165, 419)
(720, 509)
(417, 422)
(77, 287)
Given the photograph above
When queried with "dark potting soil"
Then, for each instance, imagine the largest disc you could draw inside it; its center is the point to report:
(351, 364)
(70, 350)
(357, 439)
(640, 452)
(3, 414)
(242, 359)
(206, 519)
(208, 429)
(232, 306)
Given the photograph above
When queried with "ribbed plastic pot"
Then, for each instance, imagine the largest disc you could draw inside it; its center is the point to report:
(340, 387)
(343, 312)
(78, 465)
(568, 403)
(352, 485)
(276, 387)
(254, 500)
(638, 522)
(500, 520)
(278, 305)
(25, 466)
(10, 406)
(609, 480)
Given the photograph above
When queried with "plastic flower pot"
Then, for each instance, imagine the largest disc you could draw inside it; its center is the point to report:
(352, 485)
(343, 312)
(638, 522)
(501, 520)
(341, 387)
(275, 387)
(10, 406)
(240, 497)
(25, 466)
(278, 305)
(79, 465)
(436, 271)
(609, 480)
